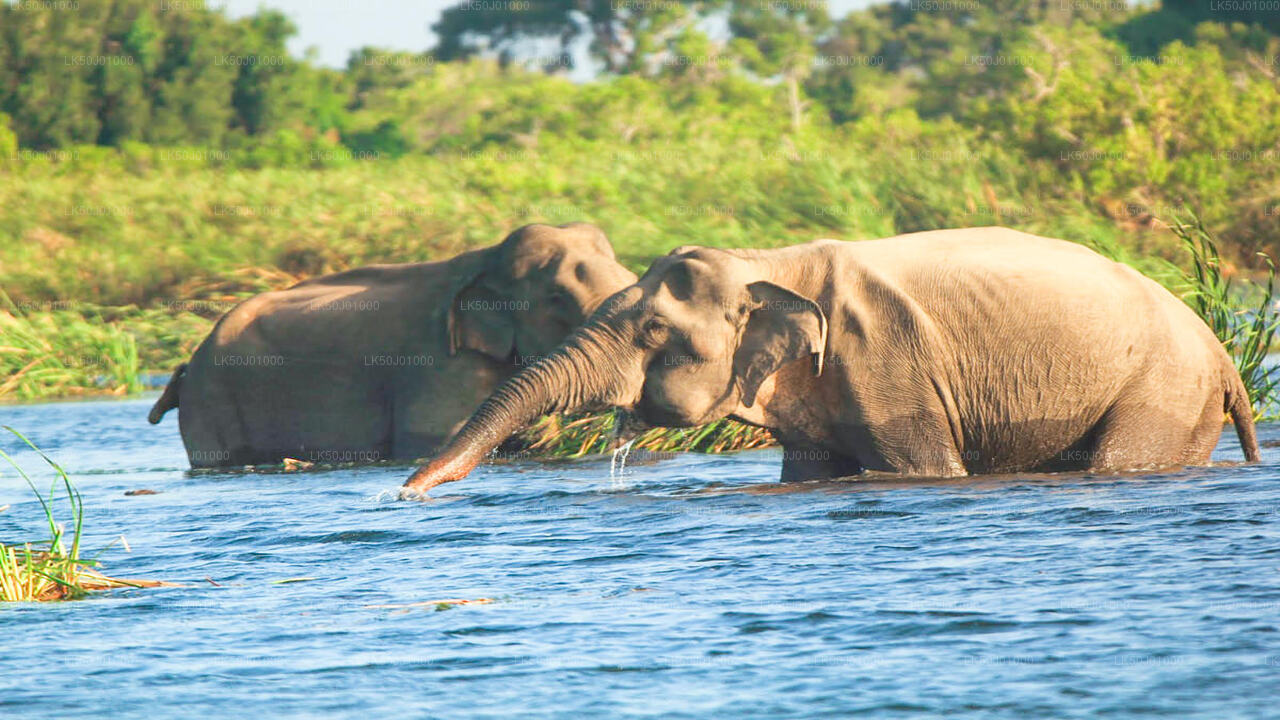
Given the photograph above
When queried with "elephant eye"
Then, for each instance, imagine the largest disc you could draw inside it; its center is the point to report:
(654, 333)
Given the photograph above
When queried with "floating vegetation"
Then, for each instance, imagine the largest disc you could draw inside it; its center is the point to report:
(53, 569)
(438, 605)
(575, 436)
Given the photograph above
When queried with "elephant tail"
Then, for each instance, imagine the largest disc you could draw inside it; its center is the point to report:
(1241, 410)
(169, 398)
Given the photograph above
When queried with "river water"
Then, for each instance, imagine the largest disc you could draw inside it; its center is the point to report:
(691, 586)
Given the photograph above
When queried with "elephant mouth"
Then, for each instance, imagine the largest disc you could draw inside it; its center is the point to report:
(627, 426)
(654, 414)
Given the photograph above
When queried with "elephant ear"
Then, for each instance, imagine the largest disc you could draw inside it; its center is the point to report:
(782, 327)
(480, 320)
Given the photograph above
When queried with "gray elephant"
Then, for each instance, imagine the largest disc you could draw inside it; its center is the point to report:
(941, 353)
(386, 361)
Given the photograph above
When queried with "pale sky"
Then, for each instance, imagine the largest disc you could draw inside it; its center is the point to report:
(336, 27)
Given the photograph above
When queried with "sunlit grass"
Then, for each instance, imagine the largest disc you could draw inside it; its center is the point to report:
(60, 352)
(174, 237)
(169, 231)
(557, 436)
(1242, 314)
(52, 569)
(67, 349)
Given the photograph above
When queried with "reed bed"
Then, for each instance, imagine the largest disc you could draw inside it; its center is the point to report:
(61, 352)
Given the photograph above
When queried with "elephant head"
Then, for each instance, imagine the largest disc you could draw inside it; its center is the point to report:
(531, 290)
(690, 342)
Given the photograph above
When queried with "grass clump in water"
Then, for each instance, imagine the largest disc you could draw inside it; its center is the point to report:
(1242, 314)
(52, 570)
(575, 436)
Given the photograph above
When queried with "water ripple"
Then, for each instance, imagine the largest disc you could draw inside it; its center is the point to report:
(700, 587)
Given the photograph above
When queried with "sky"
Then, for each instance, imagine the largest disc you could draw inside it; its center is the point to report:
(336, 27)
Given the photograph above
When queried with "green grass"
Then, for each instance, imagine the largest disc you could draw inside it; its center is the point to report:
(113, 237)
(62, 352)
(53, 569)
(100, 249)
(66, 349)
(558, 436)
(1242, 314)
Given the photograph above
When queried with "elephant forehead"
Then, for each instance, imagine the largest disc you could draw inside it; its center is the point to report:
(542, 238)
(556, 256)
(533, 258)
(691, 278)
(704, 304)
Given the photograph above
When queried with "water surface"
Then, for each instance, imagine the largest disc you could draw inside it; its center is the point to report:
(693, 586)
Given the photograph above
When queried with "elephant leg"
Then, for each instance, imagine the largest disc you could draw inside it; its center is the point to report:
(1141, 436)
(211, 431)
(805, 462)
(1205, 435)
(421, 421)
(207, 442)
(918, 445)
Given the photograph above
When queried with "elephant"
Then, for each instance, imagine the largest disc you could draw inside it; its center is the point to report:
(384, 362)
(934, 354)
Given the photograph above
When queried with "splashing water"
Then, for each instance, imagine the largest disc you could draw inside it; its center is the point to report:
(618, 463)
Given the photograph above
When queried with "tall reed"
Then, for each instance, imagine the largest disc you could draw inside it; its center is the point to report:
(51, 351)
(1241, 313)
(53, 569)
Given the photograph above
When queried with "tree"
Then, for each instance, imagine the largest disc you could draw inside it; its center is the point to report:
(777, 39)
(622, 35)
(931, 57)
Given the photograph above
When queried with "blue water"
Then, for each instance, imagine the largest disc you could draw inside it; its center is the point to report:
(693, 586)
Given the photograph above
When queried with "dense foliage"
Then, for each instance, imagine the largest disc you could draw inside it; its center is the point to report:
(1128, 112)
(170, 73)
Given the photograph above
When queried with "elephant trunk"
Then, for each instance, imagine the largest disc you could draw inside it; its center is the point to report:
(583, 372)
